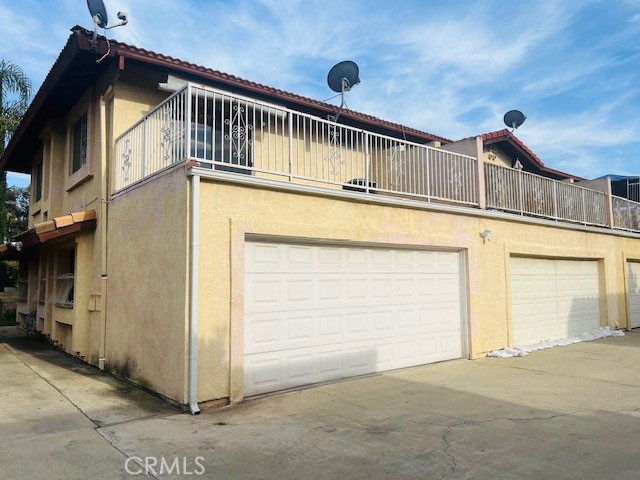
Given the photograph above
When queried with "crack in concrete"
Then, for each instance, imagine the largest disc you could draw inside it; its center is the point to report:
(96, 424)
(49, 383)
(448, 444)
(452, 458)
(560, 374)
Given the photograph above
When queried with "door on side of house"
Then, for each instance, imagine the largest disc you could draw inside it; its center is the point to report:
(553, 299)
(316, 312)
(633, 296)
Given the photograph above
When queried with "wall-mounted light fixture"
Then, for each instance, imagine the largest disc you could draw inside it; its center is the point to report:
(486, 235)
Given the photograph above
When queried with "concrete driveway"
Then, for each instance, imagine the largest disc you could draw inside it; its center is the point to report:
(569, 412)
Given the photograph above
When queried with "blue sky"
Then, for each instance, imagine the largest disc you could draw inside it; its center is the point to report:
(451, 68)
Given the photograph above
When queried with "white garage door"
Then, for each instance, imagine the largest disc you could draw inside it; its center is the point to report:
(553, 299)
(634, 293)
(315, 312)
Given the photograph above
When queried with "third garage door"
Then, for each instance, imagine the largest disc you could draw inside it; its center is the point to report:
(633, 278)
(319, 312)
(553, 299)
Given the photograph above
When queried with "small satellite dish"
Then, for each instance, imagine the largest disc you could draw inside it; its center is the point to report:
(342, 78)
(101, 20)
(98, 13)
(514, 118)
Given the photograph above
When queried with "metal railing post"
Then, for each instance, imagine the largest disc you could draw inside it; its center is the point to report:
(367, 161)
(290, 116)
(188, 114)
(610, 220)
(520, 193)
(584, 207)
(145, 125)
(481, 180)
(555, 201)
(427, 174)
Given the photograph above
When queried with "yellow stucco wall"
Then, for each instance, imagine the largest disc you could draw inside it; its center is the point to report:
(231, 212)
(133, 94)
(148, 260)
(147, 286)
(64, 192)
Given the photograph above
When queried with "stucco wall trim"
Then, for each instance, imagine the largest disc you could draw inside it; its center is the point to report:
(256, 182)
(150, 178)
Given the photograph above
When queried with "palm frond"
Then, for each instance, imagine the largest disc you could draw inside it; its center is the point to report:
(13, 80)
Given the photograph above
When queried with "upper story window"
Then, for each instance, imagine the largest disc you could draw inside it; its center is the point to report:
(79, 158)
(78, 149)
(37, 181)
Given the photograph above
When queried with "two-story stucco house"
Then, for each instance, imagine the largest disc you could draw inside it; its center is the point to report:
(213, 239)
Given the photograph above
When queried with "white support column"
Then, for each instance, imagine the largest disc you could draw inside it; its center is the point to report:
(482, 183)
(611, 221)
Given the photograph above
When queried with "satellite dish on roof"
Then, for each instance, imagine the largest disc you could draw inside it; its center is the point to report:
(342, 78)
(98, 13)
(514, 118)
(101, 20)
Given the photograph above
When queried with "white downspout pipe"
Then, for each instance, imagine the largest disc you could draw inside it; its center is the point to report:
(194, 297)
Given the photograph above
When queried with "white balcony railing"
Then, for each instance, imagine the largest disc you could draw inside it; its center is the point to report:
(633, 191)
(626, 214)
(244, 136)
(155, 142)
(528, 194)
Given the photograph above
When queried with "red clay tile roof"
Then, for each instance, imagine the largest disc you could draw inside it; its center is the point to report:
(149, 56)
(43, 232)
(505, 136)
(75, 69)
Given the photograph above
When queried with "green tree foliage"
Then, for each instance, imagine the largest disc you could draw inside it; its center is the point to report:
(15, 93)
(17, 204)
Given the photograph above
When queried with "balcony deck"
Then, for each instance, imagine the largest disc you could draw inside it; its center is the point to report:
(244, 136)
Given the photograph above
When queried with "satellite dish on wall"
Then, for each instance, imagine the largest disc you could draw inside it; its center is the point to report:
(514, 118)
(342, 78)
(101, 20)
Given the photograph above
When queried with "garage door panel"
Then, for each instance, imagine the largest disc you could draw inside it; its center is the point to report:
(314, 313)
(553, 299)
(633, 296)
(266, 332)
(304, 258)
(286, 292)
(528, 267)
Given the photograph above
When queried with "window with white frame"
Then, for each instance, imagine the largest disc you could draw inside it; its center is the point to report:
(79, 143)
(23, 282)
(37, 180)
(65, 278)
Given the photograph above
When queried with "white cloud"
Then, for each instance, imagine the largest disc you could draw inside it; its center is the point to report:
(450, 68)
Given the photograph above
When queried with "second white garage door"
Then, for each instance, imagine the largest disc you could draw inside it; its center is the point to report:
(317, 312)
(633, 278)
(553, 299)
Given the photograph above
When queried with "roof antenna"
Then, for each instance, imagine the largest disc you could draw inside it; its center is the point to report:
(342, 78)
(513, 119)
(100, 20)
